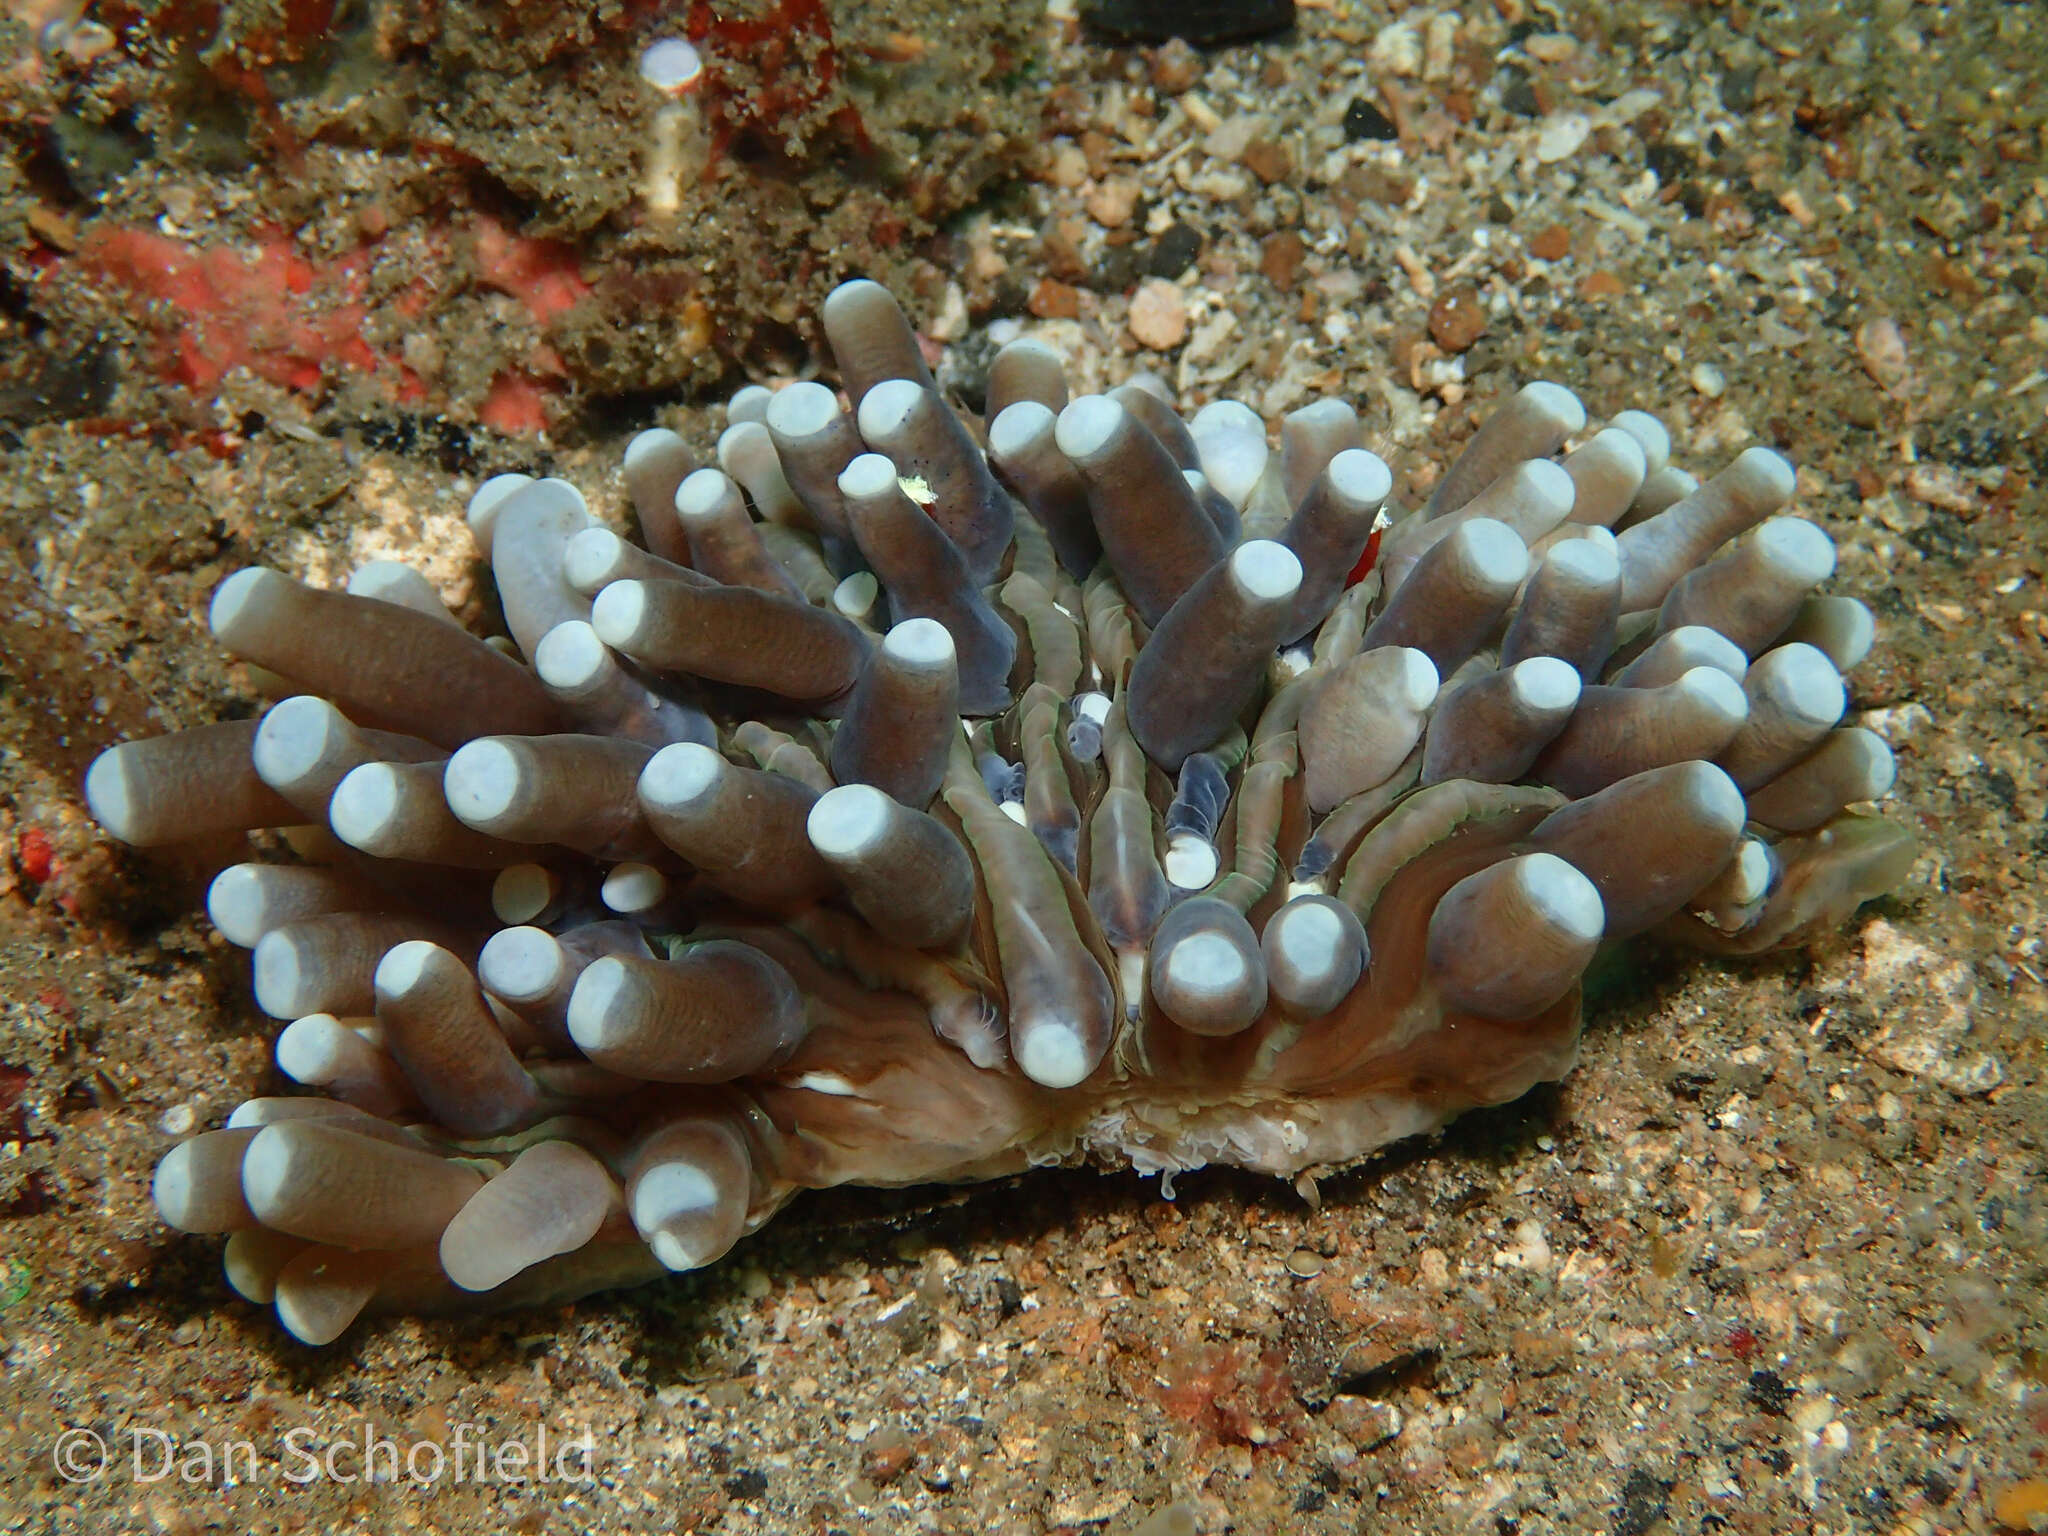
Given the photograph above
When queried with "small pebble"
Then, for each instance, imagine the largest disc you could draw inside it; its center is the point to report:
(178, 1120)
(1111, 202)
(1068, 167)
(1397, 49)
(1708, 380)
(1174, 251)
(1883, 351)
(1175, 67)
(1457, 319)
(1304, 1263)
(885, 1456)
(1267, 160)
(1159, 315)
(1054, 300)
(1561, 136)
(1364, 120)
(1550, 47)
(1552, 244)
(1280, 258)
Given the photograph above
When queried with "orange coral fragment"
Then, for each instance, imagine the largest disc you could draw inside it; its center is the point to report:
(269, 310)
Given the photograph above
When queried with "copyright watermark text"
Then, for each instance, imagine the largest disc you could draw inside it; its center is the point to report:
(469, 1453)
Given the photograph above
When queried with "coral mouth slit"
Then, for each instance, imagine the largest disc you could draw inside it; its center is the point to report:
(893, 813)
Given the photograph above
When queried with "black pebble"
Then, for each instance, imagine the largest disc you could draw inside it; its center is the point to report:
(1197, 21)
(1517, 94)
(1769, 1391)
(1363, 120)
(1174, 251)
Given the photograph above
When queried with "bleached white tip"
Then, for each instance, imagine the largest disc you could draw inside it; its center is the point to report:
(1306, 936)
(801, 410)
(521, 892)
(849, 822)
(749, 403)
(1715, 691)
(109, 796)
(746, 450)
(570, 656)
(293, 739)
(1051, 1054)
(483, 781)
(591, 559)
(171, 1187)
(1545, 685)
(1091, 706)
(395, 582)
(868, 475)
(1266, 570)
(1416, 683)
(1875, 768)
(1620, 451)
(1227, 416)
(654, 443)
(1800, 550)
(596, 994)
(283, 990)
(1749, 877)
(1190, 861)
(1801, 680)
(1706, 647)
(1562, 897)
(630, 888)
(856, 595)
(1766, 473)
(1361, 478)
(485, 504)
(1234, 461)
(679, 774)
(1650, 436)
(671, 65)
(1545, 489)
(235, 903)
(1017, 425)
(233, 596)
(365, 804)
(1556, 403)
(701, 493)
(886, 409)
(850, 297)
(400, 969)
(618, 613)
(267, 1171)
(924, 644)
(1204, 967)
(1493, 552)
(669, 1193)
(1585, 563)
(310, 1048)
(269, 1111)
(521, 965)
(1086, 425)
(1712, 796)
(1858, 632)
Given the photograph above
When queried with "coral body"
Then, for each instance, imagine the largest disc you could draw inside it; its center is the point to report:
(907, 811)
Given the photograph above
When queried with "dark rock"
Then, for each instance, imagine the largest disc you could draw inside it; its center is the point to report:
(1201, 22)
(1644, 1502)
(1770, 1392)
(1738, 90)
(1518, 93)
(1174, 251)
(1364, 120)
